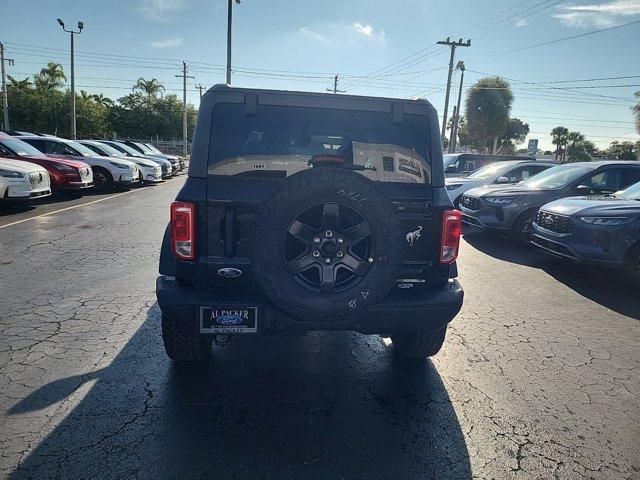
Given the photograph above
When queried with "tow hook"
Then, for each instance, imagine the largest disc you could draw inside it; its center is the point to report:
(221, 340)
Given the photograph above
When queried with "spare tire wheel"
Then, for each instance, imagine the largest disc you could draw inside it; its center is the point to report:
(326, 245)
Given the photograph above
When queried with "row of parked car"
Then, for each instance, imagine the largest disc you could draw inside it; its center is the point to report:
(588, 212)
(35, 165)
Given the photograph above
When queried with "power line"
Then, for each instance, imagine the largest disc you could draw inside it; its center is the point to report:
(564, 39)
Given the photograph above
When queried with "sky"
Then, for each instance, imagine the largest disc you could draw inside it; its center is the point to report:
(377, 47)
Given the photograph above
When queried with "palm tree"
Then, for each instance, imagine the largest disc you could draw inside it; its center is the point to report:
(559, 139)
(100, 99)
(21, 85)
(151, 87)
(50, 77)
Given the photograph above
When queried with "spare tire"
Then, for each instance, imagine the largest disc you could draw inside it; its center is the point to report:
(326, 245)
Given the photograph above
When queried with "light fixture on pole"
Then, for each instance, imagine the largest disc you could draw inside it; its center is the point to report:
(229, 21)
(73, 79)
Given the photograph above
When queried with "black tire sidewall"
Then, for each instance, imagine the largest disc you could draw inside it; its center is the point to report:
(301, 191)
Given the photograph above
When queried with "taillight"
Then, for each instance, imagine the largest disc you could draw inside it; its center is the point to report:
(183, 230)
(451, 230)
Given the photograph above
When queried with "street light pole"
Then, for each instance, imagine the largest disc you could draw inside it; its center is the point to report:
(5, 94)
(456, 116)
(73, 76)
(229, 22)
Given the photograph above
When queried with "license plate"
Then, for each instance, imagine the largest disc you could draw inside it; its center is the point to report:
(226, 320)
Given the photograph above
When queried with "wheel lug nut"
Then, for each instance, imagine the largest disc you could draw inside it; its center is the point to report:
(339, 254)
(316, 240)
(327, 261)
(340, 240)
(316, 253)
(329, 233)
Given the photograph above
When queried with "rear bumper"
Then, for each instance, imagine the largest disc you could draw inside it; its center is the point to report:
(431, 310)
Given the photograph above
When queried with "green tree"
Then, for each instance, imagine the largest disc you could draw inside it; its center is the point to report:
(622, 151)
(150, 87)
(50, 77)
(514, 134)
(488, 105)
(559, 139)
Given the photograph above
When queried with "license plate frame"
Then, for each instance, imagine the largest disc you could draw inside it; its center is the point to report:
(225, 320)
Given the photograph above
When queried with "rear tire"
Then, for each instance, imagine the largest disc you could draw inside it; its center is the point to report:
(418, 345)
(181, 345)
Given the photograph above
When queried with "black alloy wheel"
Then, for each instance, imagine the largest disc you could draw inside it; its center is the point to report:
(328, 247)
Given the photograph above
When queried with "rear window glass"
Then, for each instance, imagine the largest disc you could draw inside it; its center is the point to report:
(280, 141)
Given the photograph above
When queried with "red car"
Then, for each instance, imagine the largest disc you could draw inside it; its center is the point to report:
(66, 174)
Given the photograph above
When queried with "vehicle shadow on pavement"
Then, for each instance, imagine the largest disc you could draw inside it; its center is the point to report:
(319, 406)
(607, 288)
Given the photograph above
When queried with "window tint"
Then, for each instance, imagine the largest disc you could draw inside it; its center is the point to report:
(605, 181)
(39, 144)
(522, 173)
(630, 176)
(59, 148)
(280, 141)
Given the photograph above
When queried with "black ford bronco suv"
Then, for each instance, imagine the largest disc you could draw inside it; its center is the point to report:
(309, 211)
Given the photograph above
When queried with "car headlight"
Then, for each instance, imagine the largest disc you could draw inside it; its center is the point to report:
(499, 200)
(611, 221)
(453, 186)
(65, 168)
(10, 174)
(120, 165)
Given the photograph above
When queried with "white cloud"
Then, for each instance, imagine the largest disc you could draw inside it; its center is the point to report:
(328, 32)
(600, 15)
(168, 42)
(521, 22)
(160, 10)
(366, 30)
(312, 34)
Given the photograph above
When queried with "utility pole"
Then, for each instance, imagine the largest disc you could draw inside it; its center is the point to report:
(335, 86)
(452, 45)
(456, 115)
(229, 22)
(73, 76)
(184, 77)
(200, 87)
(5, 94)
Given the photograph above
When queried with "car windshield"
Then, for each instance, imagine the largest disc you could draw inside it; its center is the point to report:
(557, 177)
(490, 171)
(21, 148)
(109, 150)
(143, 147)
(152, 148)
(630, 193)
(448, 160)
(124, 148)
(84, 151)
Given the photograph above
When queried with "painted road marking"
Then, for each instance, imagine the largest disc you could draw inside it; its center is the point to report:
(77, 206)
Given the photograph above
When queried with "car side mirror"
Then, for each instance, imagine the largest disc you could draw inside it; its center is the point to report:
(502, 180)
(583, 190)
(450, 169)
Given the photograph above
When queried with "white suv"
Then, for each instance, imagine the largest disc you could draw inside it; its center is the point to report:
(107, 171)
(504, 172)
(22, 180)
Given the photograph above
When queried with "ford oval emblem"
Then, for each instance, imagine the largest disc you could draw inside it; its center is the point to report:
(229, 272)
(229, 319)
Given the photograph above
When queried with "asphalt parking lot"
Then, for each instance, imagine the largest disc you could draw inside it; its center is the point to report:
(539, 376)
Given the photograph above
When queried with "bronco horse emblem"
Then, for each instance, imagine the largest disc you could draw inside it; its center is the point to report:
(414, 236)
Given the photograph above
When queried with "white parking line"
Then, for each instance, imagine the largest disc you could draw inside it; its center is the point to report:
(70, 208)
